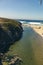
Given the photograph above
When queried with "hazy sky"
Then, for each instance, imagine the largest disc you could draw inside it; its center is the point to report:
(28, 9)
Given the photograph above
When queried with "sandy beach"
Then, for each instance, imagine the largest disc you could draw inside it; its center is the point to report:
(38, 29)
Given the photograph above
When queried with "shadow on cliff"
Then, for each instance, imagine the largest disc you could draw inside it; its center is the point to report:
(8, 37)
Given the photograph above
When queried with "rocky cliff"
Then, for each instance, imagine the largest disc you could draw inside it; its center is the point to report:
(10, 31)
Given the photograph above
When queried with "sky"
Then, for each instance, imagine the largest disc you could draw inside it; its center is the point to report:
(21, 9)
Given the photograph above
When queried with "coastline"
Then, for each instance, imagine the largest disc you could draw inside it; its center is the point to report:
(38, 29)
(30, 47)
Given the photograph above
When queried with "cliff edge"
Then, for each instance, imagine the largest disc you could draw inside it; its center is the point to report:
(10, 31)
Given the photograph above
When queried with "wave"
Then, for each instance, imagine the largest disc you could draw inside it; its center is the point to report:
(35, 23)
(25, 22)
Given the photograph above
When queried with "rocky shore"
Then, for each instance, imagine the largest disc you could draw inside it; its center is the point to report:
(10, 32)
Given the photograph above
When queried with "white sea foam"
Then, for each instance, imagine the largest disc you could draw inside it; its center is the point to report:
(22, 21)
(34, 23)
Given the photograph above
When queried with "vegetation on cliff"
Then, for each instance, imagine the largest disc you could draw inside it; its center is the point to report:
(10, 31)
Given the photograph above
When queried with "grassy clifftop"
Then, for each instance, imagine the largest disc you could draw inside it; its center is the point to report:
(6, 20)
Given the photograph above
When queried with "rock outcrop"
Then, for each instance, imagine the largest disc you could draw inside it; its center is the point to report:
(9, 33)
(13, 60)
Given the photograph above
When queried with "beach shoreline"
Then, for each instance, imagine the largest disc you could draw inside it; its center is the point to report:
(37, 28)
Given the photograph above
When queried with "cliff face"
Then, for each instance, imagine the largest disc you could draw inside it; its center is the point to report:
(9, 33)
